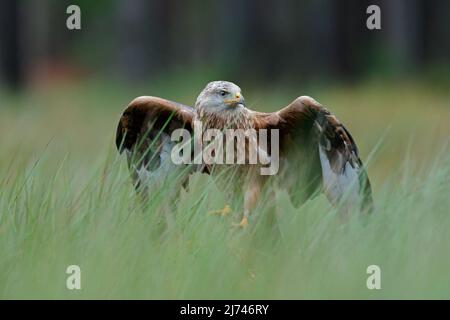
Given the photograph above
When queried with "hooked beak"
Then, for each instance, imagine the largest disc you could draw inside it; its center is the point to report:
(238, 101)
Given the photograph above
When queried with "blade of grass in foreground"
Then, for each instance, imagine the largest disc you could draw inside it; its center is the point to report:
(301, 253)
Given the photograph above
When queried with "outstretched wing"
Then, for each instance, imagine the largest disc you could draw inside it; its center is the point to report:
(144, 133)
(315, 142)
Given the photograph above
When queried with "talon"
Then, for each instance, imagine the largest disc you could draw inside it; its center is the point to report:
(243, 224)
(222, 212)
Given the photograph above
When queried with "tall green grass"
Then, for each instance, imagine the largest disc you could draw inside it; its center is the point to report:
(66, 198)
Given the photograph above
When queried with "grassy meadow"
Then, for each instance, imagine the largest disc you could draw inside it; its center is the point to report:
(66, 199)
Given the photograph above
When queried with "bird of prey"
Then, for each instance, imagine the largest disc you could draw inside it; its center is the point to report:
(316, 151)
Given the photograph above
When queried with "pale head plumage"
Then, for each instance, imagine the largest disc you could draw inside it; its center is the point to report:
(220, 96)
(221, 104)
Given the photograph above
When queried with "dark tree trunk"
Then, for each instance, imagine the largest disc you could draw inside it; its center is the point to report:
(10, 58)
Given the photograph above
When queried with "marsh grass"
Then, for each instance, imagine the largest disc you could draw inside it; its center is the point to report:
(66, 198)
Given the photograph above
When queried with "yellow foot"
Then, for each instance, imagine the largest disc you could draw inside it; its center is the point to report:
(243, 224)
(222, 212)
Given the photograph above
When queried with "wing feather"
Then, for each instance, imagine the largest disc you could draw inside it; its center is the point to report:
(146, 110)
(144, 132)
(328, 152)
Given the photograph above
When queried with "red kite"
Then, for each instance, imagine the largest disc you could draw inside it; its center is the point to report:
(316, 151)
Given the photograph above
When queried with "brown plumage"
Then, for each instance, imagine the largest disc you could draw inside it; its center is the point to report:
(315, 147)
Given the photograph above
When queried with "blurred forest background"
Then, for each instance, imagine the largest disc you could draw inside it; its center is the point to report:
(246, 40)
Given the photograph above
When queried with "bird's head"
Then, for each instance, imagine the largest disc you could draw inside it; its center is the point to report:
(220, 97)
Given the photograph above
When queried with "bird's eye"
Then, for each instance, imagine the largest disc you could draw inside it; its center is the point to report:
(223, 93)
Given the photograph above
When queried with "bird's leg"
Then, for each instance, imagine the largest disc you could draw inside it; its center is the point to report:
(250, 199)
(221, 212)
